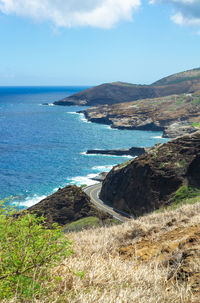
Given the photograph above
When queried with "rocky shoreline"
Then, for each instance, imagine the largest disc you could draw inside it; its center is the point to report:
(175, 115)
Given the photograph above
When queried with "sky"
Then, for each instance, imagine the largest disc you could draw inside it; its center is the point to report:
(76, 42)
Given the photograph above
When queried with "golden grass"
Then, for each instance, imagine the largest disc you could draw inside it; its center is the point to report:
(153, 259)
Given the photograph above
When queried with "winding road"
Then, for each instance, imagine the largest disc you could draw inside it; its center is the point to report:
(93, 193)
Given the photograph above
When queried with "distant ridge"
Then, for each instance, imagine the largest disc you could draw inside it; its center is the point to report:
(119, 92)
(179, 77)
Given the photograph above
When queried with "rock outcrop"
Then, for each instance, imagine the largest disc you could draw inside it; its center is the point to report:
(133, 151)
(174, 115)
(67, 205)
(151, 180)
(117, 92)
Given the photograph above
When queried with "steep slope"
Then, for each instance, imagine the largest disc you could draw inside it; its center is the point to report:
(154, 259)
(175, 115)
(116, 92)
(151, 180)
(67, 205)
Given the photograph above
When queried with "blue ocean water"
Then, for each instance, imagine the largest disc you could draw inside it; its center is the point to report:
(42, 147)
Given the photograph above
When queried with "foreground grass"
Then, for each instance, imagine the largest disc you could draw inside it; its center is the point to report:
(153, 259)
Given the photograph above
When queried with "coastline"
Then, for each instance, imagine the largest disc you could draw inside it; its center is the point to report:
(28, 196)
(93, 176)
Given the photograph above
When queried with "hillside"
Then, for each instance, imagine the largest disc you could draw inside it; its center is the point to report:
(175, 115)
(116, 92)
(68, 205)
(163, 176)
(193, 74)
(153, 259)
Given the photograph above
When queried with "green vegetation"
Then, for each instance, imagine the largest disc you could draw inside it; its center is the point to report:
(125, 163)
(196, 101)
(82, 224)
(83, 186)
(28, 250)
(172, 109)
(175, 80)
(125, 84)
(185, 192)
(196, 124)
(85, 223)
(184, 195)
(182, 163)
(161, 165)
(179, 102)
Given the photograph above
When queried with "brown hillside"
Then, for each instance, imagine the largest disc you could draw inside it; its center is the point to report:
(151, 180)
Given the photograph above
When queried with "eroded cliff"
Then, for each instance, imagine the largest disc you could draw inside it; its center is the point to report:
(151, 180)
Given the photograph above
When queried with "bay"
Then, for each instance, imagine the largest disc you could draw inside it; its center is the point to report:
(43, 148)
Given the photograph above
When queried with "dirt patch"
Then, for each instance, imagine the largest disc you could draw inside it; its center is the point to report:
(177, 249)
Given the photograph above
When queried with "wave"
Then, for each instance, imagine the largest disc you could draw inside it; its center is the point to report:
(29, 201)
(80, 180)
(82, 117)
(158, 137)
(109, 127)
(103, 168)
(103, 155)
(72, 113)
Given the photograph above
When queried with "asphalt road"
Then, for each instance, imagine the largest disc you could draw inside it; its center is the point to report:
(93, 192)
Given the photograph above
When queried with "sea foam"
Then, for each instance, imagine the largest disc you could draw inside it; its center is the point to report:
(30, 201)
(103, 168)
(80, 180)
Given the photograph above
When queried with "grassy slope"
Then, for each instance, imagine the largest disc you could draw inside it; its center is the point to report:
(87, 223)
(153, 259)
(179, 77)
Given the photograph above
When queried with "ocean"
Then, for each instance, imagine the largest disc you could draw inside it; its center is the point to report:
(43, 148)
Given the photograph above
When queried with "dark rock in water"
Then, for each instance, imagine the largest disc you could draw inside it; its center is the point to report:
(67, 205)
(133, 151)
(151, 180)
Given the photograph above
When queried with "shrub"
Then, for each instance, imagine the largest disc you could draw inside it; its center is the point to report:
(185, 192)
(196, 124)
(196, 101)
(27, 251)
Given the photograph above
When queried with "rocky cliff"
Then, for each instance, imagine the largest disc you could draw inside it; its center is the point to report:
(67, 205)
(151, 180)
(175, 115)
(117, 92)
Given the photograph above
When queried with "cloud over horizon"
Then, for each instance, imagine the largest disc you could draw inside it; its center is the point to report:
(69, 13)
(187, 12)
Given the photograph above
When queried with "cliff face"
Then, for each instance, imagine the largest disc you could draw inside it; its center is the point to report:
(175, 115)
(149, 181)
(117, 92)
(67, 205)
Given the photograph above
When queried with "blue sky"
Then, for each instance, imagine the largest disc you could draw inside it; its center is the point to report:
(75, 42)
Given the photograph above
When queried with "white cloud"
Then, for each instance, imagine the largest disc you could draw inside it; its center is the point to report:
(187, 12)
(69, 13)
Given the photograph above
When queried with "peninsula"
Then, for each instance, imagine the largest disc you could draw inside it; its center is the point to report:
(171, 105)
(118, 92)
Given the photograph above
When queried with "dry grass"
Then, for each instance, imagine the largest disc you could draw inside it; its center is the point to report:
(154, 259)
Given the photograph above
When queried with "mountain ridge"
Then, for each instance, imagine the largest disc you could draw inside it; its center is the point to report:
(118, 92)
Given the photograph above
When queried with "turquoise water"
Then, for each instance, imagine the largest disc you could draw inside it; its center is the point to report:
(42, 147)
